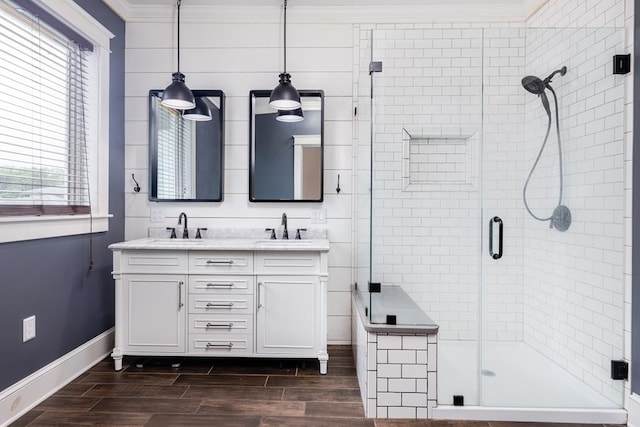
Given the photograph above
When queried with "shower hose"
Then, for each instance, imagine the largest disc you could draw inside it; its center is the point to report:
(535, 164)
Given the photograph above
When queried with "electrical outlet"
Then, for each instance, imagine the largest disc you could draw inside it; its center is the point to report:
(157, 215)
(28, 328)
(318, 216)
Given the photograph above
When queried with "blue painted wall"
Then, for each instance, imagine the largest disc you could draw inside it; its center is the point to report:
(48, 278)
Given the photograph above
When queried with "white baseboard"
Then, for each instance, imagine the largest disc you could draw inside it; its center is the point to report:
(633, 409)
(27, 393)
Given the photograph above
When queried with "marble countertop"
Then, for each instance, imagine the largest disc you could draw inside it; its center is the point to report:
(321, 245)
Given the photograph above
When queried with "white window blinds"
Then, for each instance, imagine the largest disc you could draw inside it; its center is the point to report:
(43, 154)
(175, 150)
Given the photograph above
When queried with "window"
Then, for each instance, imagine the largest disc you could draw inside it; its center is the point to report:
(53, 129)
(176, 140)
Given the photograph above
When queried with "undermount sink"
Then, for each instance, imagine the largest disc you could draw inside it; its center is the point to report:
(177, 241)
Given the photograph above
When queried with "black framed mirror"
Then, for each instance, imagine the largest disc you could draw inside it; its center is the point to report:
(286, 150)
(186, 149)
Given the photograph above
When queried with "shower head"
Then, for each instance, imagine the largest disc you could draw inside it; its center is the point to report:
(534, 85)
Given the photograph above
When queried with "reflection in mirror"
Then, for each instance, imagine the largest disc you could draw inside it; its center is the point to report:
(286, 152)
(186, 149)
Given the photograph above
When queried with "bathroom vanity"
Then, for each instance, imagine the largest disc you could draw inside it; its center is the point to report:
(221, 297)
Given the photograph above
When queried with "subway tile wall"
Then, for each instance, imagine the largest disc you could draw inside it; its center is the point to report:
(587, 286)
(397, 372)
(560, 292)
(425, 235)
(574, 285)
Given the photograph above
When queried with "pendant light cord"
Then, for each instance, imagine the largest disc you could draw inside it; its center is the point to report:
(285, 36)
(179, 3)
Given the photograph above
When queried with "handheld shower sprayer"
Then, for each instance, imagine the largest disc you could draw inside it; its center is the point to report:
(560, 219)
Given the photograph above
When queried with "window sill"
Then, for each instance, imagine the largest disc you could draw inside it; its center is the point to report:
(18, 228)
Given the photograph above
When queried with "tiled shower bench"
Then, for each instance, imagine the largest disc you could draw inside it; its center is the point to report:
(396, 364)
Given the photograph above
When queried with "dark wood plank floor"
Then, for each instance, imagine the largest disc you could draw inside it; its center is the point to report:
(222, 392)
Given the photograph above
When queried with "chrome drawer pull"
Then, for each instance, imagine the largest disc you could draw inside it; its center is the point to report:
(220, 304)
(220, 325)
(212, 345)
(219, 285)
(213, 261)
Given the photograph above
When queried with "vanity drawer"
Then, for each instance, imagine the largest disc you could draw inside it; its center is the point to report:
(221, 345)
(220, 324)
(220, 262)
(221, 284)
(287, 263)
(229, 304)
(149, 261)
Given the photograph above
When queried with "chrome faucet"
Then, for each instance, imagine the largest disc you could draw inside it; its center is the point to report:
(285, 232)
(185, 233)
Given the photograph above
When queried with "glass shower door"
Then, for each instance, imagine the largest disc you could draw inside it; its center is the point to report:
(425, 163)
(552, 277)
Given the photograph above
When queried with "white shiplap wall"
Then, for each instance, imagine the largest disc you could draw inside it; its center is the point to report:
(237, 58)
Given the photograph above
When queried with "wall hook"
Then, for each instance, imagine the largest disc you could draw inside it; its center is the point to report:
(137, 187)
(338, 187)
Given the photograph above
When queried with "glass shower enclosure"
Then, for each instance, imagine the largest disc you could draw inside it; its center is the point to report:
(461, 166)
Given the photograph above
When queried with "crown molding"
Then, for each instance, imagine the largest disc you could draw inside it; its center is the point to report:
(461, 11)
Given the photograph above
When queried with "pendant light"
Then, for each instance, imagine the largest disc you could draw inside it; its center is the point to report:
(200, 113)
(177, 95)
(285, 96)
(290, 116)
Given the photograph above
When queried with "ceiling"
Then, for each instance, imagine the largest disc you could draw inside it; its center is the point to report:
(332, 10)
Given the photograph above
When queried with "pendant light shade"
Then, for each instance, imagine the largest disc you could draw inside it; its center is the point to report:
(290, 116)
(177, 95)
(200, 113)
(285, 96)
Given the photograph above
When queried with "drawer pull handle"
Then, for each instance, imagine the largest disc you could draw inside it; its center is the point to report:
(220, 304)
(220, 325)
(214, 261)
(214, 345)
(219, 285)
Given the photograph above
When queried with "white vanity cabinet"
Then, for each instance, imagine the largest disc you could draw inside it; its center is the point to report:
(287, 315)
(289, 303)
(155, 312)
(150, 303)
(240, 300)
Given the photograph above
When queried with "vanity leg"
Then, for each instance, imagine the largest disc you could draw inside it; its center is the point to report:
(117, 359)
(323, 359)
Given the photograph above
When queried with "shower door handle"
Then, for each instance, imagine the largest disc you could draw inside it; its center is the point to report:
(495, 255)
